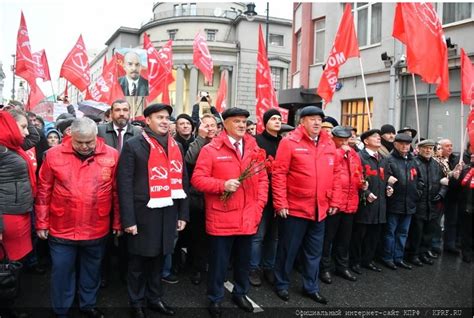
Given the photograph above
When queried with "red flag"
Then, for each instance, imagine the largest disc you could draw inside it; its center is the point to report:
(202, 57)
(221, 104)
(41, 67)
(264, 92)
(75, 67)
(418, 27)
(345, 46)
(107, 87)
(104, 64)
(24, 66)
(34, 97)
(467, 79)
(160, 69)
(470, 129)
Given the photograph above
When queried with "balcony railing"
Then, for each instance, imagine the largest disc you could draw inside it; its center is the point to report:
(228, 14)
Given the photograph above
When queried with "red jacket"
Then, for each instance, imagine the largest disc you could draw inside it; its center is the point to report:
(217, 163)
(349, 183)
(74, 198)
(304, 174)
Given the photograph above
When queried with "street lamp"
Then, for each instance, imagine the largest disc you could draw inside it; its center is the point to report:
(13, 71)
(250, 14)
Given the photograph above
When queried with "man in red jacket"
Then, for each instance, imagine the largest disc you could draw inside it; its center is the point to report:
(337, 236)
(230, 223)
(304, 172)
(76, 192)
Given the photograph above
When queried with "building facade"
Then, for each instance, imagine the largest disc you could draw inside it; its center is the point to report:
(232, 40)
(389, 86)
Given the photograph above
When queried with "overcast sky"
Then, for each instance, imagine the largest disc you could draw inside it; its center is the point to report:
(55, 25)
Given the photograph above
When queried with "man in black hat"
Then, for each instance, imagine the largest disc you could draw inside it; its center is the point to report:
(387, 132)
(264, 242)
(153, 206)
(338, 228)
(405, 179)
(429, 207)
(304, 174)
(233, 206)
(371, 213)
(184, 130)
(409, 131)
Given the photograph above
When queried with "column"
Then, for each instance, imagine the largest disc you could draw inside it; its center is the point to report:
(285, 79)
(178, 109)
(193, 87)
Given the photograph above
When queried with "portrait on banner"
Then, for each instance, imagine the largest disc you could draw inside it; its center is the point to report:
(133, 76)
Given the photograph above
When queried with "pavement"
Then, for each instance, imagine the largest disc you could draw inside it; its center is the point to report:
(441, 290)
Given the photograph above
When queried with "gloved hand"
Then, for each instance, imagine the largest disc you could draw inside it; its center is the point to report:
(437, 198)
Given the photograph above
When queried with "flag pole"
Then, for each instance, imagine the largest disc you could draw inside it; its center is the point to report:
(52, 89)
(416, 107)
(462, 131)
(365, 92)
(463, 137)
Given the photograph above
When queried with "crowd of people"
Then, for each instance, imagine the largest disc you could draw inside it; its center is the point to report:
(317, 198)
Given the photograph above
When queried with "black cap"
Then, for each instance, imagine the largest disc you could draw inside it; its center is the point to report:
(341, 132)
(268, 114)
(332, 120)
(369, 133)
(233, 112)
(387, 128)
(286, 128)
(65, 116)
(311, 111)
(153, 108)
(403, 138)
(187, 117)
(405, 129)
(63, 124)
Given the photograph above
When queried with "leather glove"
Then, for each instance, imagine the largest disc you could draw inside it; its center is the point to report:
(437, 198)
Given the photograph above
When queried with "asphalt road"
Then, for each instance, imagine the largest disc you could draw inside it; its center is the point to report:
(421, 292)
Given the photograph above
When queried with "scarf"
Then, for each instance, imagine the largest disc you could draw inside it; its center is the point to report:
(165, 173)
(469, 178)
(12, 139)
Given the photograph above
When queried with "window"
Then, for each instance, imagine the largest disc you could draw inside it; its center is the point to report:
(298, 51)
(319, 37)
(276, 39)
(454, 12)
(276, 77)
(192, 9)
(211, 34)
(172, 34)
(354, 114)
(368, 17)
(177, 10)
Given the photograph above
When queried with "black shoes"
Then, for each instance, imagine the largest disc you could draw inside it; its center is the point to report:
(390, 264)
(196, 278)
(93, 313)
(415, 260)
(325, 277)
(215, 310)
(243, 303)
(283, 294)
(404, 265)
(138, 312)
(371, 266)
(432, 255)
(254, 278)
(426, 260)
(356, 269)
(317, 297)
(162, 308)
(170, 279)
(346, 275)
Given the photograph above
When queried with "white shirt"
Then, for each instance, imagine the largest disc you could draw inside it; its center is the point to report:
(241, 146)
(124, 129)
(130, 85)
(371, 152)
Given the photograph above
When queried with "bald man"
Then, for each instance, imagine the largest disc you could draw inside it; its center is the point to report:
(133, 84)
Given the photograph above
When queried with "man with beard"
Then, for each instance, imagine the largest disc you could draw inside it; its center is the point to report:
(388, 136)
(152, 184)
(115, 134)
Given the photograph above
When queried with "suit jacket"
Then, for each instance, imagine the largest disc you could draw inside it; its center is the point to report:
(107, 132)
(142, 88)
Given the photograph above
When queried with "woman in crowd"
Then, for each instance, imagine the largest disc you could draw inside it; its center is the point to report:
(53, 137)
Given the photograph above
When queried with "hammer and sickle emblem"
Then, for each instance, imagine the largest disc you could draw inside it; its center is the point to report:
(159, 173)
(176, 166)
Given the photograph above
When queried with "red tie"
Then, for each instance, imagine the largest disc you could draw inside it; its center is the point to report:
(237, 149)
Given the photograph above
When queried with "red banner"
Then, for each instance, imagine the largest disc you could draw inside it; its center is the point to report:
(202, 57)
(221, 103)
(345, 46)
(41, 67)
(24, 66)
(34, 97)
(470, 129)
(76, 66)
(107, 88)
(160, 69)
(467, 80)
(418, 27)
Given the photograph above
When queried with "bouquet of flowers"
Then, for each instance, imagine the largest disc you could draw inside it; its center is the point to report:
(258, 163)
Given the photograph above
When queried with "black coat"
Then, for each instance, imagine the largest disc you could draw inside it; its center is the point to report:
(142, 87)
(270, 144)
(466, 193)
(156, 227)
(407, 190)
(375, 174)
(431, 173)
(16, 196)
(107, 132)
